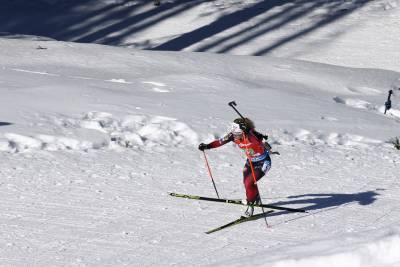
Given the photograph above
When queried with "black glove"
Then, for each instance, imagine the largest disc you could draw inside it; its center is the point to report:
(203, 146)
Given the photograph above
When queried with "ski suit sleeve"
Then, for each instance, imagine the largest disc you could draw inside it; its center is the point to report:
(220, 142)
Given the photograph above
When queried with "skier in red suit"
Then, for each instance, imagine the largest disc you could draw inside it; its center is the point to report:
(243, 134)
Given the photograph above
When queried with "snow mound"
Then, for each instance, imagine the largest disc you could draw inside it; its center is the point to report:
(97, 130)
(303, 136)
(140, 130)
(363, 90)
(355, 103)
(15, 143)
(381, 252)
(395, 113)
(136, 130)
(362, 104)
(345, 251)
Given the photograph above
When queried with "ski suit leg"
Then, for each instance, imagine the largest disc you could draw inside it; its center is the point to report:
(260, 169)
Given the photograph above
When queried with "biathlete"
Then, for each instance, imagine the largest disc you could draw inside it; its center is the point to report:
(257, 150)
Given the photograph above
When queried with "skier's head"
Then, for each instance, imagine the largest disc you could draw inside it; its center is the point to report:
(236, 131)
(241, 125)
(245, 124)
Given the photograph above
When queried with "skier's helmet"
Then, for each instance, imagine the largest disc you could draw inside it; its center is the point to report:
(236, 130)
(245, 124)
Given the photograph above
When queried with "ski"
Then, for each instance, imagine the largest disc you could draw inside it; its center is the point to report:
(234, 201)
(242, 219)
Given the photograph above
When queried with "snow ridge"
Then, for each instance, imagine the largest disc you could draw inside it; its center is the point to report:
(97, 130)
(381, 252)
(303, 136)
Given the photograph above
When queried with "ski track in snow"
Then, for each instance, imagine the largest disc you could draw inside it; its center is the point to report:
(114, 80)
(35, 72)
(365, 91)
(155, 83)
(118, 81)
(158, 89)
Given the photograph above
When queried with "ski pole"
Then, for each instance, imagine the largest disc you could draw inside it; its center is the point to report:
(209, 172)
(232, 104)
(254, 175)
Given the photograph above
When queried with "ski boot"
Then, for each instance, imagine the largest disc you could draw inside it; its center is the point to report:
(250, 207)
(249, 211)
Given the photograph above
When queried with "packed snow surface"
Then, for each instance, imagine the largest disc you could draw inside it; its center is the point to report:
(93, 137)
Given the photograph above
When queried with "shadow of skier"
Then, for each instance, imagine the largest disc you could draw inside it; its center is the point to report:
(322, 201)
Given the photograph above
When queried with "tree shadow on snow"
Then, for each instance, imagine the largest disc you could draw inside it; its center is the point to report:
(87, 21)
(291, 11)
(5, 123)
(91, 21)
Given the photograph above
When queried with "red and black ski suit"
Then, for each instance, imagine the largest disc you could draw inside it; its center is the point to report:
(256, 152)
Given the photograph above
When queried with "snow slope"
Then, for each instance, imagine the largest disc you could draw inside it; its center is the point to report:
(91, 145)
(93, 137)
